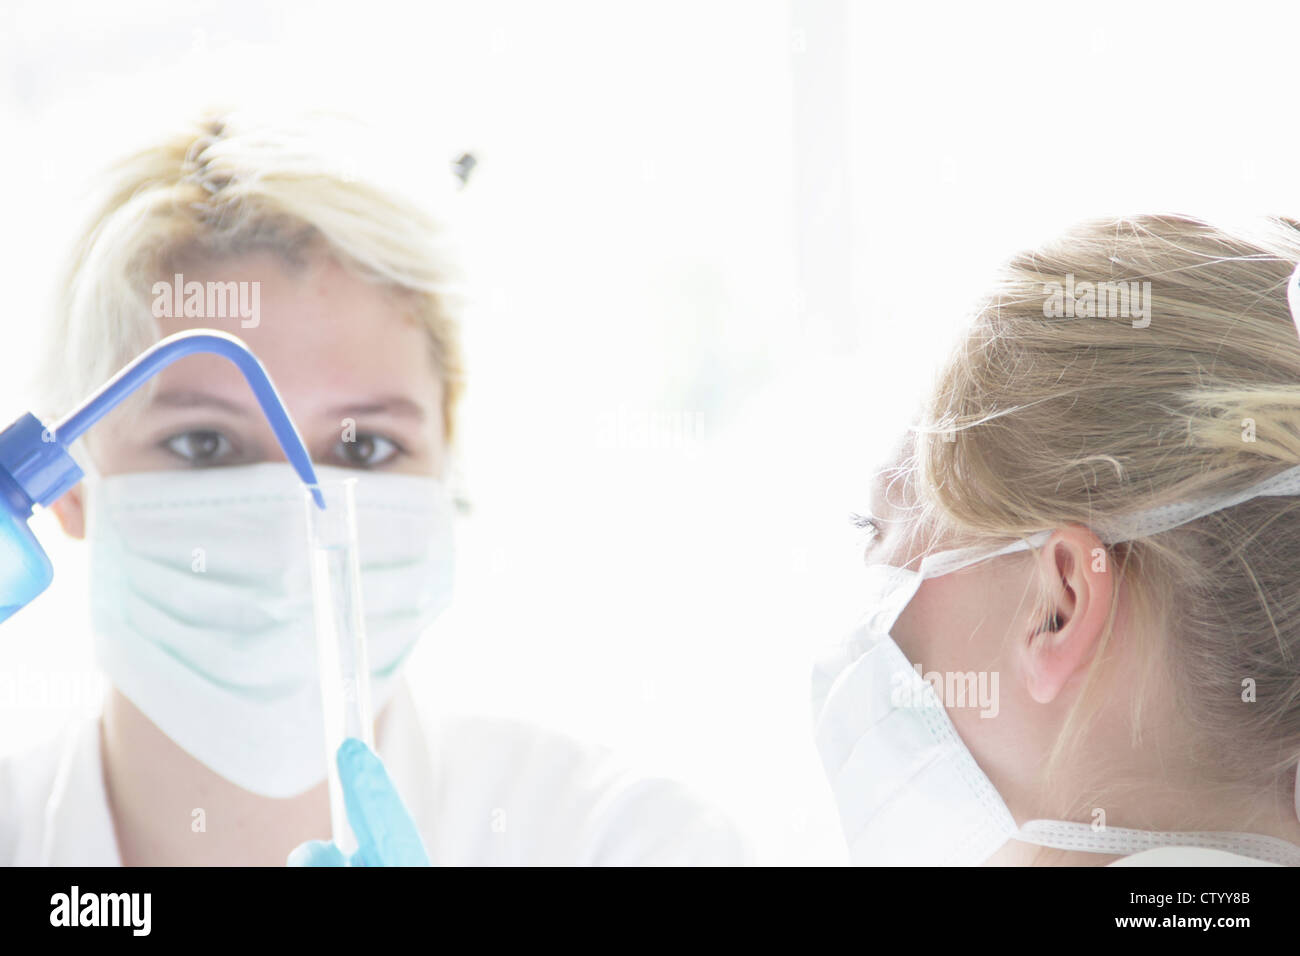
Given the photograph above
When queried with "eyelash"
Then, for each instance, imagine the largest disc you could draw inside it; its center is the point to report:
(865, 524)
(398, 449)
(170, 444)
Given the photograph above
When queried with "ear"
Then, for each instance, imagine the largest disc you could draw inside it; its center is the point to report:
(70, 511)
(1080, 583)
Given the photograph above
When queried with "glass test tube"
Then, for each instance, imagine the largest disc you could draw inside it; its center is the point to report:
(340, 635)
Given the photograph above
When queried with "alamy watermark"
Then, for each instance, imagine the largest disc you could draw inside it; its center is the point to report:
(208, 300)
(1098, 300)
(27, 690)
(950, 689)
(129, 910)
(646, 429)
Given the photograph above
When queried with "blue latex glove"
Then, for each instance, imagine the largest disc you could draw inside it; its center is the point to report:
(386, 834)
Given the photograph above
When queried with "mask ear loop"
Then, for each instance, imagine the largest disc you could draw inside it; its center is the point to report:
(1293, 297)
(1293, 301)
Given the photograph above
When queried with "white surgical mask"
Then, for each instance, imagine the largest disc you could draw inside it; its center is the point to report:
(201, 605)
(909, 790)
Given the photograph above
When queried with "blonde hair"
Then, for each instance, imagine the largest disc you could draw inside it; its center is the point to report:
(229, 184)
(1040, 420)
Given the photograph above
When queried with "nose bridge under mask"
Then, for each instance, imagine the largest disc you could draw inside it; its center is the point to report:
(890, 588)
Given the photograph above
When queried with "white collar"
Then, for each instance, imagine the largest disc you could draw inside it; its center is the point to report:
(77, 827)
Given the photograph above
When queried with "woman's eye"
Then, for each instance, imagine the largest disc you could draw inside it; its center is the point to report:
(199, 447)
(867, 529)
(366, 451)
(866, 524)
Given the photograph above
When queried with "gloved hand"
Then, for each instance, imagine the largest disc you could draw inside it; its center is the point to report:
(386, 834)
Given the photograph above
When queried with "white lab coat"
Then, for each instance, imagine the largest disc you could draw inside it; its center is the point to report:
(483, 791)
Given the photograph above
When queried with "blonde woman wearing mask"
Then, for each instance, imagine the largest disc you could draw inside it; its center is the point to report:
(210, 704)
(1100, 507)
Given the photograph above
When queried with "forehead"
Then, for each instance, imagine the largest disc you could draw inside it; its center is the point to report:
(893, 510)
(892, 487)
(319, 328)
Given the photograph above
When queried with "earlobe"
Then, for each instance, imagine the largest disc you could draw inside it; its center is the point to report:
(71, 513)
(1080, 588)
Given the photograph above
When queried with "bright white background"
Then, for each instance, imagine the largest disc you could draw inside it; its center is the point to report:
(716, 248)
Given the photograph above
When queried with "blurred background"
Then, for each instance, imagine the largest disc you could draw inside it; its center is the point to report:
(715, 249)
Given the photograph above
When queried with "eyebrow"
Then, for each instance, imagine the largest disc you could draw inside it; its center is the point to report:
(395, 405)
(883, 495)
(877, 492)
(191, 399)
